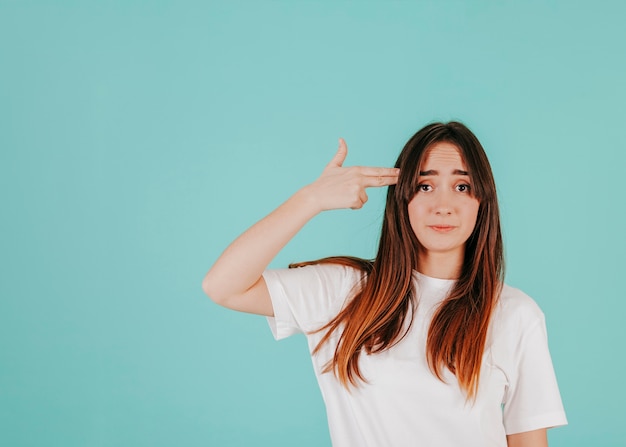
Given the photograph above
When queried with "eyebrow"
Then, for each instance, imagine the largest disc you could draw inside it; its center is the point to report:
(434, 172)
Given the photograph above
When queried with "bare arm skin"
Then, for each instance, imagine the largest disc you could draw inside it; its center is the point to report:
(235, 280)
(535, 438)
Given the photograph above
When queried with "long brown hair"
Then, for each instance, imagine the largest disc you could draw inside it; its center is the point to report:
(373, 319)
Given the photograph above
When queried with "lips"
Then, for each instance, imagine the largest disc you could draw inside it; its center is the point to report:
(442, 228)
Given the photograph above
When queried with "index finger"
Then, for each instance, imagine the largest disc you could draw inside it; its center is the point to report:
(382, 172)
(390, 178)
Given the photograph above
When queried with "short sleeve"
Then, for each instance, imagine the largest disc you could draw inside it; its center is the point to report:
(532, 400)
(306, 298)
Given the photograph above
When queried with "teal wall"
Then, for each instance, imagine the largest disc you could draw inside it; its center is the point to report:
(137, 139)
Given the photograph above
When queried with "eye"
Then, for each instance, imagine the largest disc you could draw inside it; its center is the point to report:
(424, 188)
(463, 187)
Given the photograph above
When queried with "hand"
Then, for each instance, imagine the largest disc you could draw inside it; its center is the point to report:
(340, 187)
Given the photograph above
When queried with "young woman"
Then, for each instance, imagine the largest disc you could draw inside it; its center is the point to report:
(424, 345)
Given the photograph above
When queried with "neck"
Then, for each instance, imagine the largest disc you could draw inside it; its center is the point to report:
(440, 265)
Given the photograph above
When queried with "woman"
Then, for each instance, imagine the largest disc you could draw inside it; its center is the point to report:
(424, 345)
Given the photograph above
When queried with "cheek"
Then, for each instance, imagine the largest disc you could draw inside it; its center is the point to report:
(416, 212)
(471, 214)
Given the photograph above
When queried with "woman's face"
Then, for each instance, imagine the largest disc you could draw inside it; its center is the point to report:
(443, 212)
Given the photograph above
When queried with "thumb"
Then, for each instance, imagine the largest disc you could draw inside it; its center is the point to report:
(340, 156)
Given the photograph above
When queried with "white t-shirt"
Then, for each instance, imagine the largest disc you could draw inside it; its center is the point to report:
(403, 403)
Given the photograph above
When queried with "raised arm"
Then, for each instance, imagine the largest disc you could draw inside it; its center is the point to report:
(235, 279)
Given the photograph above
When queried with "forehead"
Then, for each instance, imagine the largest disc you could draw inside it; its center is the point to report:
(442, 155)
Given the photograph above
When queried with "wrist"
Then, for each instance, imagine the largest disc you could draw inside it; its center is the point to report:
(307, 201)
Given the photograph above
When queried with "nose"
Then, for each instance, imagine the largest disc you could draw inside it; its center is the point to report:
(443, 204)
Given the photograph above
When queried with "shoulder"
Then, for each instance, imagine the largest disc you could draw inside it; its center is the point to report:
(517, 310)
(517, 328)
(307, 297)
(324, 284)
(322, 274)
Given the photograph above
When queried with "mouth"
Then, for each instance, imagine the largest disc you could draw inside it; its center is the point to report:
(442, 228)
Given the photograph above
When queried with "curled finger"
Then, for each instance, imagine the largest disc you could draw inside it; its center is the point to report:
(363, 198)
(360, 200)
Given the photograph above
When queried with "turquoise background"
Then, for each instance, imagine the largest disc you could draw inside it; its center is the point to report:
(137, 139)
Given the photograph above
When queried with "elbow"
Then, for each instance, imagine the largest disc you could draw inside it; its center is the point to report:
(212, 291)
(206, 287)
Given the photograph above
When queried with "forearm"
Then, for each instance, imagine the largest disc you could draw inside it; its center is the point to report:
(235, 279)
(241, 265)
(535, 438)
